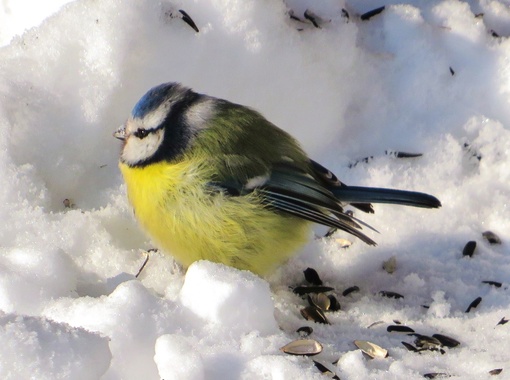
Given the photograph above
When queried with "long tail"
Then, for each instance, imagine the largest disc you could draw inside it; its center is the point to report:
(360, 196)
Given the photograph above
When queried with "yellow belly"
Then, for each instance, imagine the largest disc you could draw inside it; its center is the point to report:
(172, 205)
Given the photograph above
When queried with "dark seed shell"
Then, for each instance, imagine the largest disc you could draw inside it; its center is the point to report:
(321, 367)
(389, 294)
(188, 20)
(503, 321)
(312, 276)
(368, 15)
(302, 290)
(304, 331)
(400, 329)
(474, 304)
(436, 375)
(496, 371)
(334, 304)
(452, 71)
(345, 13)
(313, 18)
(469, 248)
(491, 237)
(426, 342)
(320, 300)
(446, 341)
(312, 313)
(398, 154)
(493, 283)
(350, 290)
(410, 347)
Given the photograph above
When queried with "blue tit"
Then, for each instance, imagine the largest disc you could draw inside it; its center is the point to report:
(213, 180)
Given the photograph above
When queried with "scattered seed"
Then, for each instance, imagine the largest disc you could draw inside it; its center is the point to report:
(493, 283)
(503, 321)
(321, 367)
(425, 306)
(334, 305)
(188, 20)
(68, 203)
(491, 237)
(436, 375)
(496, 371)
(451, 71)
(350, 290)
(313, 313)
(389, 294)
(312, 276)
(494, 34)
(410, 347)
(397, 154)
(371, 349)
(375, 324)
(145, 261)
(479, 15)
(343, 243)
(302, 290)
(313, 18)
(399, 328)
(469, 248)
(446, 341)
(368, 15)
(319, 300)
(474, 304)
(365, 160)
(345, 13)
(390, 265)
(304, 331)
(427, 342)
(307, 347)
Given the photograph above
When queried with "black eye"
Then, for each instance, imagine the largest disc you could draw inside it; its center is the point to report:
(141, 133)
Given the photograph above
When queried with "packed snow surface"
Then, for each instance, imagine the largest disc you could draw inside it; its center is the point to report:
(429, 77)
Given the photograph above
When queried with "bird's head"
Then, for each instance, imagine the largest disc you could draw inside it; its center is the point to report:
(162, 124)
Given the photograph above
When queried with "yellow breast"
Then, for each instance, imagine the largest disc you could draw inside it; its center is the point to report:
(174, 206)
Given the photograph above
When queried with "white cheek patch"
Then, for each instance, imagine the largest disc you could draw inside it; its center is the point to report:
(137, 150)
(198, 115)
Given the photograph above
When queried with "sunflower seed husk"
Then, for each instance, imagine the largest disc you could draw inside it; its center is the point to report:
(334, 304)
(503, 321)
(321, 367)
(304, 331)
(368, 15)
(446, 341)
(343, 243)
(312, 276)
(307, 347)
(350, 290)
(491, 237)
(371, 349)
(188, 20)
(469, 248)
(427, 342)
(400, 329)
(390, 265)
(375, 324)
(493, 283)
(474, 304)
(312, 313)
(319, 300)
(452, 71)
(345, 13)
(496, 371)
(410, 347)
(314, 19)
(302, 290)
(389, 294)
(397, 154)
(436, 375)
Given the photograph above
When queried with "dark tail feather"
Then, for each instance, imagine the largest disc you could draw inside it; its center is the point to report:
(365, 195)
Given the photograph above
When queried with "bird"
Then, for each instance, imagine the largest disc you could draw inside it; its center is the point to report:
(209, 179)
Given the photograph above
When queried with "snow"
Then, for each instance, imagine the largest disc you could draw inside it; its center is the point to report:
(429, 77)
